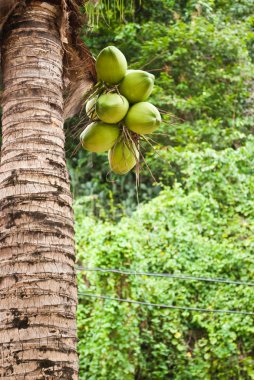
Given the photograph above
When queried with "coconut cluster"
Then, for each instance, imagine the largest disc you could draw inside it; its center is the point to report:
(119, 112)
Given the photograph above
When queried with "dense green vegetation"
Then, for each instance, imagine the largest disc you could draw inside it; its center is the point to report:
(196, 219)
(203, 229)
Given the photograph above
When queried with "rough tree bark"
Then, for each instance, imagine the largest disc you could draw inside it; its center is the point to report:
(38, 293)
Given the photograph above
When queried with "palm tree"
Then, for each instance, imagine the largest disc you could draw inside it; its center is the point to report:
(42, 58)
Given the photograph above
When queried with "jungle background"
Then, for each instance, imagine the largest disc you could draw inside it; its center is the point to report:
(193, 211)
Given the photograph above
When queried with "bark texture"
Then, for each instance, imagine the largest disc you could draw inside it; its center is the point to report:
(38, 292)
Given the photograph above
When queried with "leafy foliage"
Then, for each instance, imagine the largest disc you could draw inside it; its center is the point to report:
(202, 228)
(197, 219)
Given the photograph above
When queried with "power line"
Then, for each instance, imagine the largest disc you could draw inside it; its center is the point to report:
(164, 306)
(168, 275)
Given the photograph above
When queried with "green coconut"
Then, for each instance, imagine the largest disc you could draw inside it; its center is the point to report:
(111, 108)
(90, 108)
(122, 157)
(99, 137)
(143, 118)
(137, 85)
(111, 65)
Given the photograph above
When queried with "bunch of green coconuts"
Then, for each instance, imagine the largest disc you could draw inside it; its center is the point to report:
(119, 111)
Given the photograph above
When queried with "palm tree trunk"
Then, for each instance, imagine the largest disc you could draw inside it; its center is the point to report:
(38, 293)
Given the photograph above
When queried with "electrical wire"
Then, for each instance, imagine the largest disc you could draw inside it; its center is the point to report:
(164, 306)
(168, 275)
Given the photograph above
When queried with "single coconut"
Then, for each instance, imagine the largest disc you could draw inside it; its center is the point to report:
(99, 137)
(123, 157)
(90, 108)
(111, 65)
(111, 108)
(143, 118)
(137, 85)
